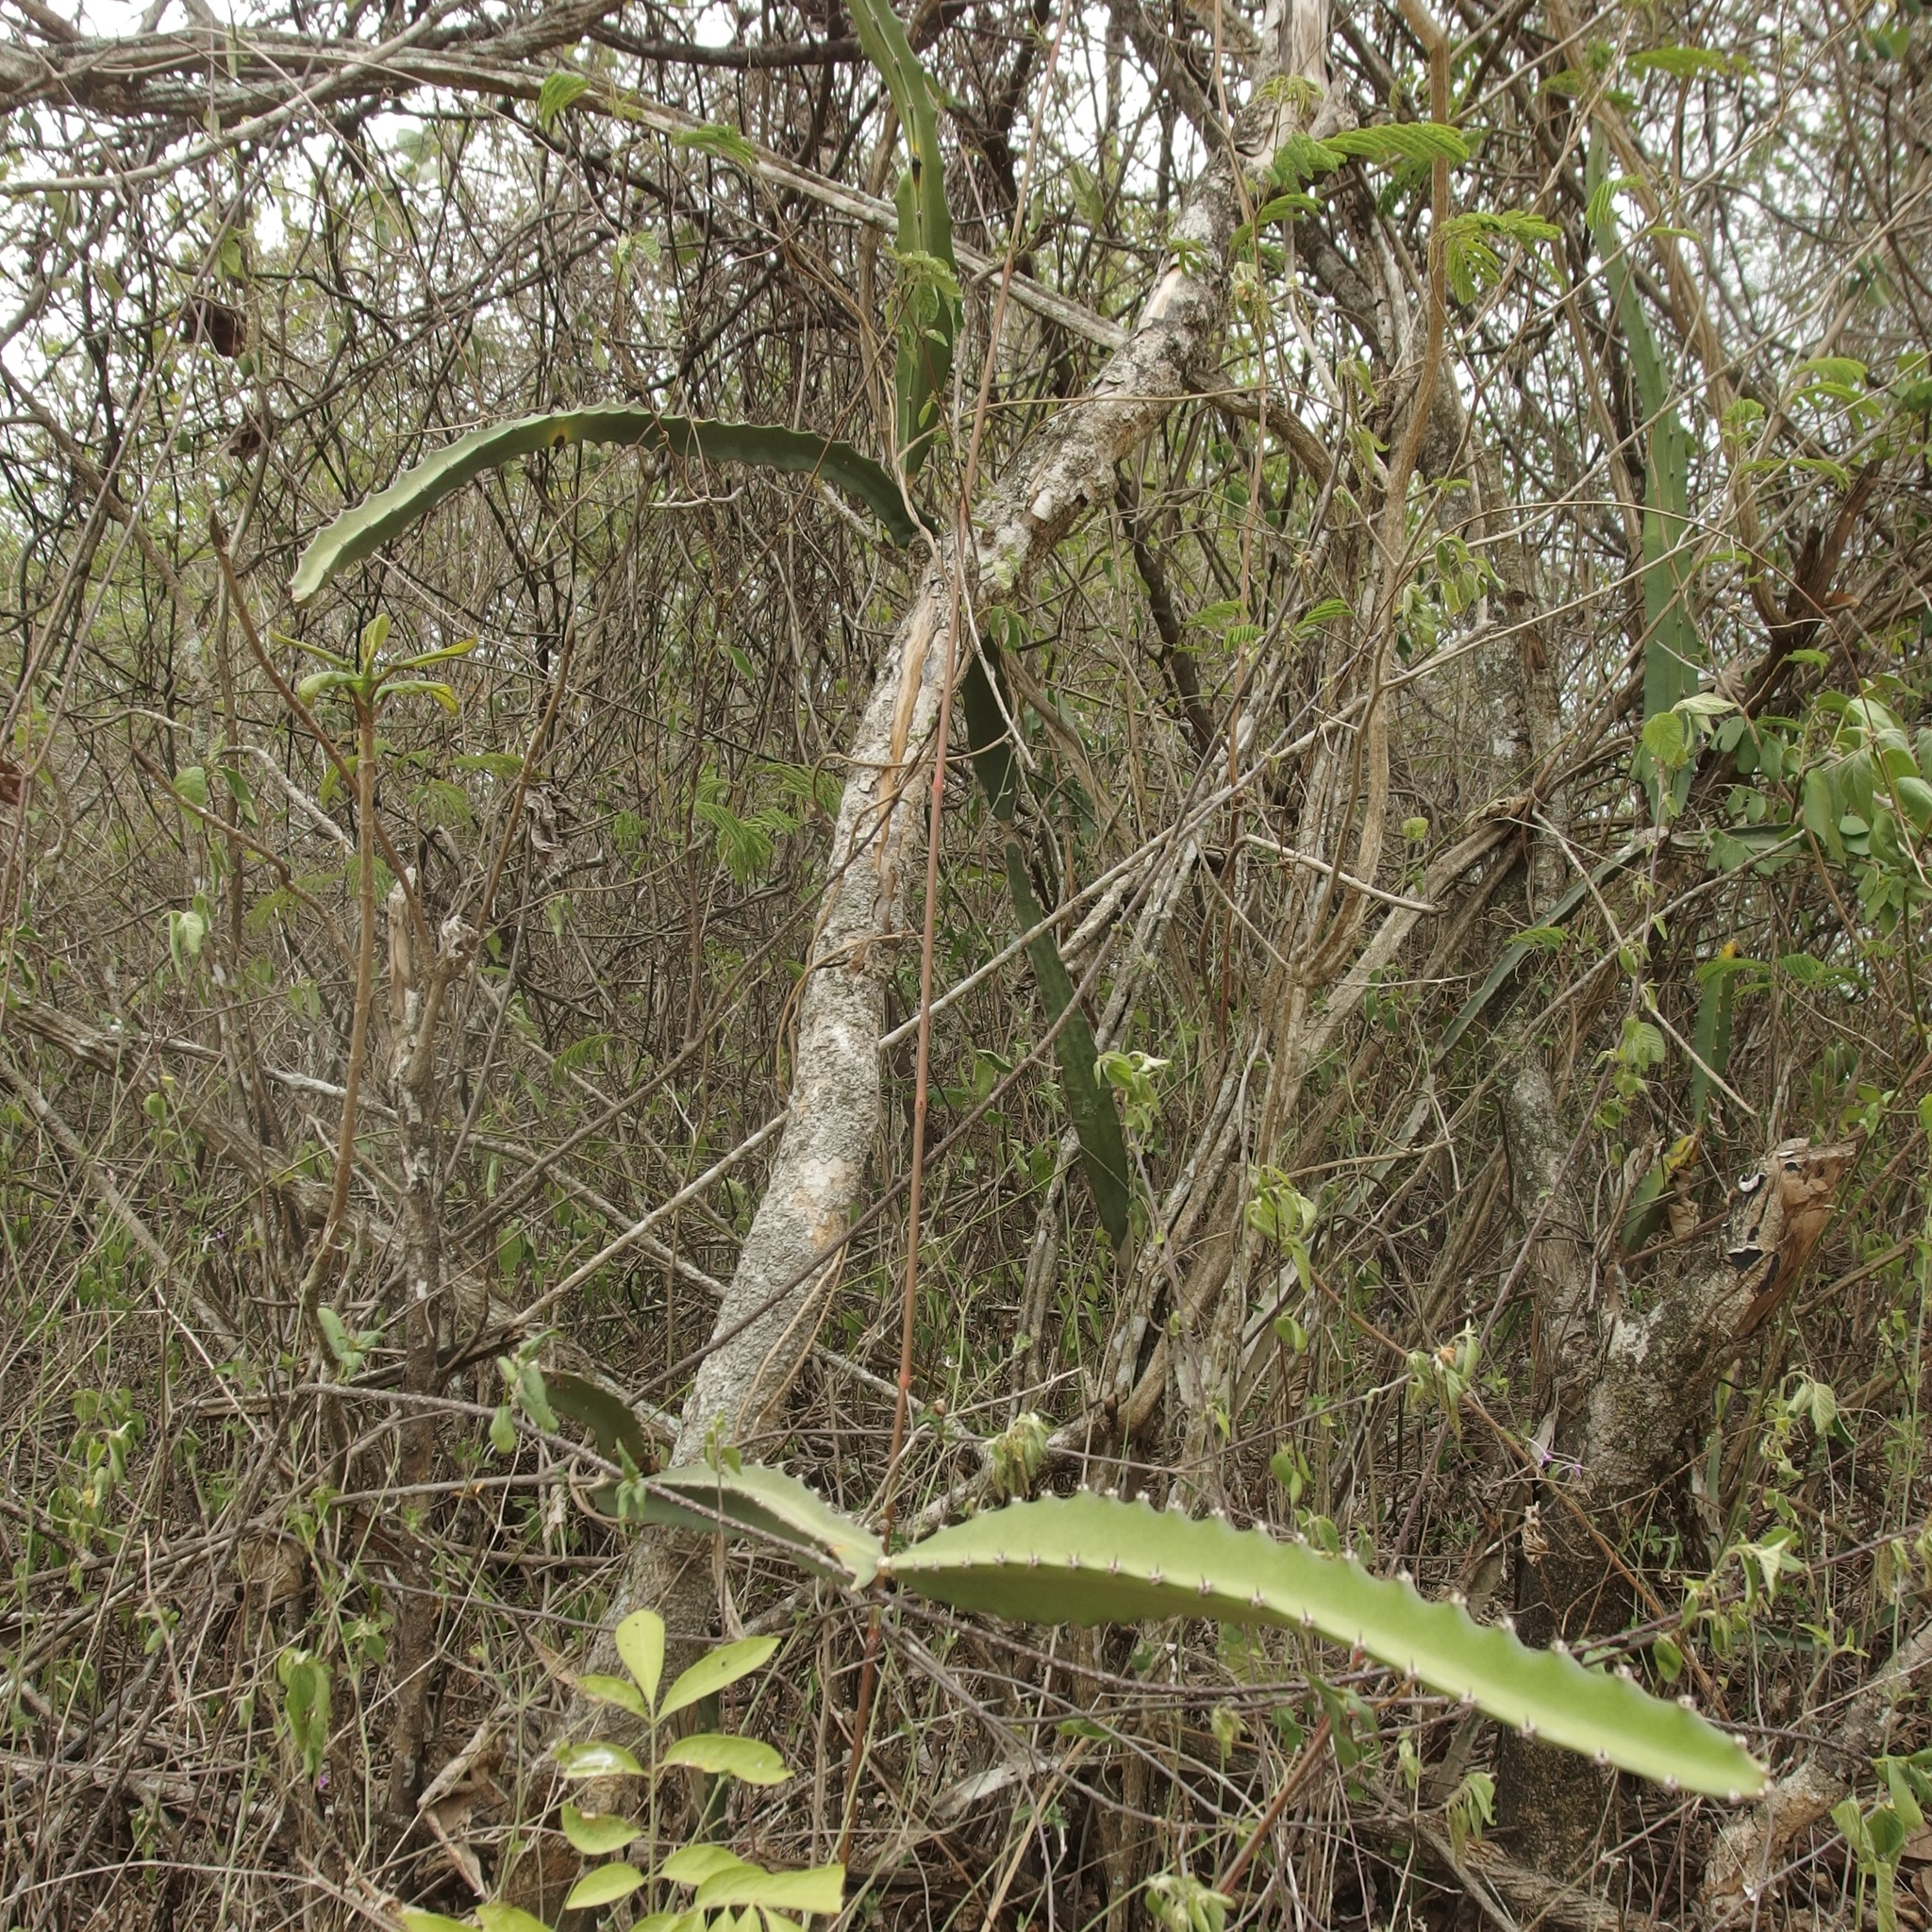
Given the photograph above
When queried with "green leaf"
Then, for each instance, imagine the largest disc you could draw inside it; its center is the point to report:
(1671, 650)
(640, 1644)
(1915, 798)
(405, 687)
(502, 1918)
(1328, 611)
(602, 1884)
(931, 318)
(1092, 1559)
(722, 143)
(499, 765)
(1666, 739)
(716, 1669)
(1646, 1212)
(1103, 1153)
(694, 1864)
(820, 1889)
(987, 742)
(360, 532)
(341, 1343)
(1686, 63)
(614, 1690)
(598, 1834)
(744, 1758)
(443, 654)
(305, 1680)
(1543, 939)
(559, 92)
(316, 683)
(597, 1761)
(1401, 141)
(415, 1921)
(190, 783)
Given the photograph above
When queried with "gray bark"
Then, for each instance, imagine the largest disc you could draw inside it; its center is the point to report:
(1620, 1386)
(834, 1108)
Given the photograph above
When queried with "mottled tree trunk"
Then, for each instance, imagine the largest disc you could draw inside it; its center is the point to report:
(777, 1294)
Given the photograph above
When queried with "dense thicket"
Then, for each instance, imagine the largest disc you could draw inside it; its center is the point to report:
(1466, 644)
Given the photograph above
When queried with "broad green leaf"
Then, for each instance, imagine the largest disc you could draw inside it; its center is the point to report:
(597, 1761)
(722, 143)
(1915, 796)
(640, 1644)
(414, 1920)
(360, 532)
(1686, 63)
(502, 1918)
(317, 682)
(499, 765)
(820, 1889)
(716, 1669)
(1665, 738)
(190, 783)
(694, 1864)
(597, 1834)
(745, 1758)
(408, 687)
(1092, 1559)
(614, 1690)
(442, 654)
(604, 1884)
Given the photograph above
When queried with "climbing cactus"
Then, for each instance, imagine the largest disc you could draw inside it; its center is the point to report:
(1093, 1559)
(770, 1505)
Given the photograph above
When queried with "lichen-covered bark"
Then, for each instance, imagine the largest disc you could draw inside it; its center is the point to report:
(1621, 1378)
(777, 1292)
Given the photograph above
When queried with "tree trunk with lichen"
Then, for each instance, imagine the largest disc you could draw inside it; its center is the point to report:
(789, 1262)
(1621, 1378)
